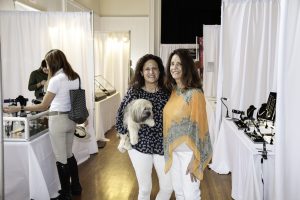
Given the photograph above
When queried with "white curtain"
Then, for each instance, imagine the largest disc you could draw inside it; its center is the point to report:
(112, 58)
(166, 50)
(211, 48)
(27, 36)
(24, 43)
(287, 160)
(247, 72)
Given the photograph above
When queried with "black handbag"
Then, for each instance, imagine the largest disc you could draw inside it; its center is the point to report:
(78, 112)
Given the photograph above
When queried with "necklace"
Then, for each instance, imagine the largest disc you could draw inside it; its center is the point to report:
(151, 90)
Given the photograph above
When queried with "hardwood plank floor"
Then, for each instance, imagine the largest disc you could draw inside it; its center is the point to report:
(109, 175)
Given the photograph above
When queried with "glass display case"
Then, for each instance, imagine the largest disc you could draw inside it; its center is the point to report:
(99, 94)
(25, 128)
(103, 88)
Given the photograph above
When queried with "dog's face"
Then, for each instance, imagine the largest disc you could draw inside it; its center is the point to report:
(141, 110)
(138, 112)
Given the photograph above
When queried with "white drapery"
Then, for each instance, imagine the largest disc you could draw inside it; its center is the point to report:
(112, 58)
(211, 48)
(287, 160)
(27, 36)
(247, 69)
(166, 50)
(248, 51)
(286, 60)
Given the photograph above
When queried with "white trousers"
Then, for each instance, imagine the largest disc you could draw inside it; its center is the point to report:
(184, 188)
(61, 132)
(142, 164)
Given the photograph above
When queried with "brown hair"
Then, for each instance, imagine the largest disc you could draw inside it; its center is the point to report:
(57, 60)
(190, 77)
(138, 80)
(43, 64)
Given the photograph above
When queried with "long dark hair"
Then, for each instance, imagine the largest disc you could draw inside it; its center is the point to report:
(190, 77)
(57, 60)
(138, 80)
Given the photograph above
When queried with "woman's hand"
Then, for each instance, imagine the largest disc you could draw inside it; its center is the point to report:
(11, 109)
(189, 170)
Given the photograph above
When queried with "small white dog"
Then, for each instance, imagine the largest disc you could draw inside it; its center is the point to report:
(136, 113)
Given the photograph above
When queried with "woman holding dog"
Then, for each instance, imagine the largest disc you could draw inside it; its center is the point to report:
(148, 83)
(187, 146)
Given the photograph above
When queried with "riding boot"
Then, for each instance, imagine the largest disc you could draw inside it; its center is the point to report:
(64, 178)
(75, 184)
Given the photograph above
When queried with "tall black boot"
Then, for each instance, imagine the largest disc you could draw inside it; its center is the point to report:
(75, 184)
(64, 178)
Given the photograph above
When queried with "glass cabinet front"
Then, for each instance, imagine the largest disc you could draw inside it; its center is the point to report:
(25, 128)
(103, 88)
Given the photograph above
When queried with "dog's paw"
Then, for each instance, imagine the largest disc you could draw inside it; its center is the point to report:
(121, 149)
(150, 122)
(123, 145)
(127, 144)
(134, 139)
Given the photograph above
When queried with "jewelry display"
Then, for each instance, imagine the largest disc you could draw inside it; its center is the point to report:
(19, 128)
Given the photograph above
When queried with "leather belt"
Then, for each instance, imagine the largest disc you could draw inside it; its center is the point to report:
(52, 113)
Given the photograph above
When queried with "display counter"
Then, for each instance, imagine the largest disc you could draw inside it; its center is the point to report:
(252, 176)
(30, 170)
(29, 162)
(105, 115)
(21, 129)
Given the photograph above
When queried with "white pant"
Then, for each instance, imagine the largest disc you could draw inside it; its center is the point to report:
(142, 164)
(61, 130)
(184, 188)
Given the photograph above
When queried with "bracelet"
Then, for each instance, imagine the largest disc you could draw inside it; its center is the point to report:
(22, 109)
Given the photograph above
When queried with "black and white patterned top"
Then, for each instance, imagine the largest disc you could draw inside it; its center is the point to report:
(150, 138)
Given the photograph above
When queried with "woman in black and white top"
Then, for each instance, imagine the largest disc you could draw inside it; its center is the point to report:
(148, 83)
(62, 79)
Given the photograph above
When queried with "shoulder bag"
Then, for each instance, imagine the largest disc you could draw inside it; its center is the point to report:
(78, 112)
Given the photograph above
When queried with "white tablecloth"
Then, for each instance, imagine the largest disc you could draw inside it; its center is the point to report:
(30, 170)
(105, 115)
(81, 149)
(234, 152)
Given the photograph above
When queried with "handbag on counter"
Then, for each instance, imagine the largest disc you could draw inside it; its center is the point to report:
(78, 112)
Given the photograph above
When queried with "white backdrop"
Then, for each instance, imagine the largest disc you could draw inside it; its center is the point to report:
(27, 36)
(112, 58)
(260, 45)
(287, 160)
(211, 48)
(139, 32)
(248, 51)
(247, 70)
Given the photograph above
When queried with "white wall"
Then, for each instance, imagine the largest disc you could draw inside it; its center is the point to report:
(90, 4)
(6, 5)
(100, 7)
(116, 15)
(138, 26)
(109, 8)
(44, 5)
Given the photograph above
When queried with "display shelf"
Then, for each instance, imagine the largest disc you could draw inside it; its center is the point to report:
(25, 128)
(103, 88)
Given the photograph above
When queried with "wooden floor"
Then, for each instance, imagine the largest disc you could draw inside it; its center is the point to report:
(109, 175)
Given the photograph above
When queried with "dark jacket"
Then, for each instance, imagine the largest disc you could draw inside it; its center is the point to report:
(36, 77)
